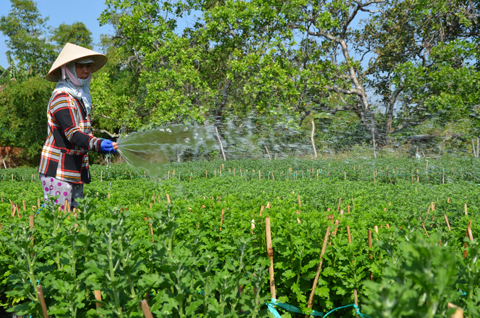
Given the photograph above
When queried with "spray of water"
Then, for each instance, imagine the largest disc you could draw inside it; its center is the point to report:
(149, 150)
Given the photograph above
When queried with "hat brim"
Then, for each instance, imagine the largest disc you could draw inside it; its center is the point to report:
(70, 53)
(98, 62)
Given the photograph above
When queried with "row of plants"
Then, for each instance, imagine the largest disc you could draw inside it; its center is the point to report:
(186, 259)
(447, 170)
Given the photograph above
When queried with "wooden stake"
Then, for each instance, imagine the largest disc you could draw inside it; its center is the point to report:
(349, 235)
(98, 298)
(42, 301)
(448, 224)
(339, 202)
(469, 233)
(466, 211)
(348, 209)
(221, 222)
(221, 146)
(319, 268)
(425, 230)
(355, 297)
(24, 206)
(268, 153)
(270, 255)
(168, 199)
(336, 227)
(299, 201)
(370, 252)
(458, 313)
(146, 310)
(465, 252)
(31, 221)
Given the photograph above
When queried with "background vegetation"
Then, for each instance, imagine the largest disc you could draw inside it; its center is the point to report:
(379, 73)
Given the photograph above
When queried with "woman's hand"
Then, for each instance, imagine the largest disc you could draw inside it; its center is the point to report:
(108, 146)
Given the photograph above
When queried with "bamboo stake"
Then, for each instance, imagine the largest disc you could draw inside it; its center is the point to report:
(98, 298)
(448, 224)
(469, 234)
(268, 153)
(168, 199)
(313, 141)
(270, 255)
(319, 268)
(466, 213)
(221, 221)
(299, 201)
(355, 298)
(31, 221)
(425, 230)
(336, 227)
(349, 235)
(146, 310)
(370, 252)
(458, 313)
(42, 301)
(465, 252)
(221, 146)
(339, 202)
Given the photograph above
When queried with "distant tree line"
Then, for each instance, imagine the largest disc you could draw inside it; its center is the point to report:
(361, 70)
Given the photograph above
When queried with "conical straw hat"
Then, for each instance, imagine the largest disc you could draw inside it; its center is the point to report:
(72, 52)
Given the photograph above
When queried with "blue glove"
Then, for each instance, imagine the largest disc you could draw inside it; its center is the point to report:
(107, 146)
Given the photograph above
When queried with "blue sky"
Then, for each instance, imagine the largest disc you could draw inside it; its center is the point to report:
(63, 11)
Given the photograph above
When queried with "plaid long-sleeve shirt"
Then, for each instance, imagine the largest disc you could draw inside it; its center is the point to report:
(64, 154)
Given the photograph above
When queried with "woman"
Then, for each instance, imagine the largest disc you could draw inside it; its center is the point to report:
(64, 161)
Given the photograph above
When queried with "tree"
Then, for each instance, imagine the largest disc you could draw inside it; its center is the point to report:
(76, 33)
(285, 58)
(27, 40)
(22, 115)
(207, 72)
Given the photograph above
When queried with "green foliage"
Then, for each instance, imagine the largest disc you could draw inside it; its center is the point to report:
(76, 33)
(27, 36)
(189, 267)
(22, 115)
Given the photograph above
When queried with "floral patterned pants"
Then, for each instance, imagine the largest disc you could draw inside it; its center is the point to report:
(61, 190)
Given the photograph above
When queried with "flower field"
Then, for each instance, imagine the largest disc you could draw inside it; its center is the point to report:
(401, 235)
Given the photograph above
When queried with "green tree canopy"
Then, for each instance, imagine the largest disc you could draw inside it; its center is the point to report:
(76, 33)
(27, 36)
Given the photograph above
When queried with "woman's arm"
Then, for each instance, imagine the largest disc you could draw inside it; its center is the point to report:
(63, 109)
